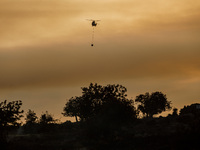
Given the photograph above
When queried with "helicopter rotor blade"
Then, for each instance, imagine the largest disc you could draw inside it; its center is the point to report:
(92, 20)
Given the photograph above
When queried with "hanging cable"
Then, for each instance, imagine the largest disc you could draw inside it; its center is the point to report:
(92, 37)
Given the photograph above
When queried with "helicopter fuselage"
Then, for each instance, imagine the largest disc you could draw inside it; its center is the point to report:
(94, 23)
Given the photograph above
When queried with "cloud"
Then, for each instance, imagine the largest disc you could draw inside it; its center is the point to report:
(48, 43)
(70, 64)
(31, 22)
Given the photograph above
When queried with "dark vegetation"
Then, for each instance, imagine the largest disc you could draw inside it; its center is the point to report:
(105, 119)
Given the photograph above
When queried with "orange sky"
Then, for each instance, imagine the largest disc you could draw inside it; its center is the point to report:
(45, 52)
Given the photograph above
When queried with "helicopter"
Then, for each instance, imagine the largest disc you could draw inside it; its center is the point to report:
(94, 24)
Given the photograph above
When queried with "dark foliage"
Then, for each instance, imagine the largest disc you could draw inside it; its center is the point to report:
(31, 117)
(175, 112)
(103, 110)
(46, 118)
(10, 113)
(151, 104)
(106, 119)
(193, 109)
(97, 100)
(72, 108)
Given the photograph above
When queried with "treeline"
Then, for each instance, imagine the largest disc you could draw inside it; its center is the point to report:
(105, 117)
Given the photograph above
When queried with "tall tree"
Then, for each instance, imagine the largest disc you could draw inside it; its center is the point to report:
(96, 98)
(72, 108)
(151, 104)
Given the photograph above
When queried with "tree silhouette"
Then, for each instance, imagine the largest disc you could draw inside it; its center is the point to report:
(97, 98)
(175, 112)
(191, 109)
(46, 118)
(10, 113)
(151, 104)
(31, 117)
(72, 108)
